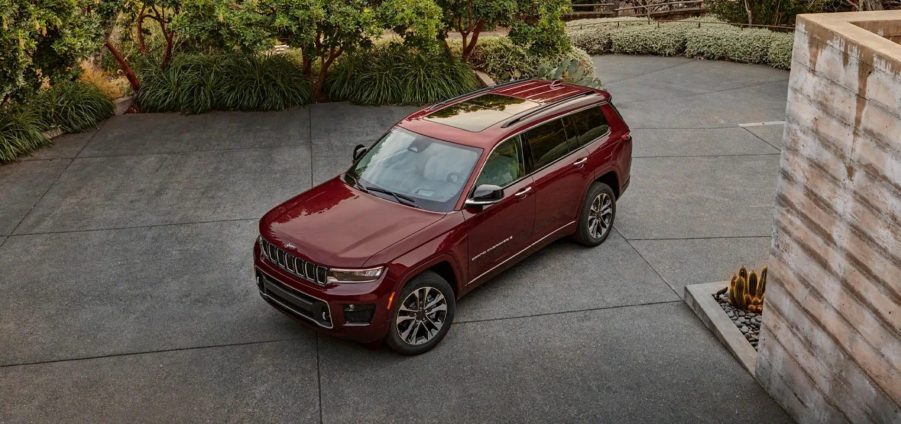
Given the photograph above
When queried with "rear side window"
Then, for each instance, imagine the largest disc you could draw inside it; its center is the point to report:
(585, 126)
(547, 143)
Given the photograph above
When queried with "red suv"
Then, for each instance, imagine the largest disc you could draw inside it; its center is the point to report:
(447, 198)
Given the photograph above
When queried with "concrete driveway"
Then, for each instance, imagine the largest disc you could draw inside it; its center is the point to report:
(126, 290)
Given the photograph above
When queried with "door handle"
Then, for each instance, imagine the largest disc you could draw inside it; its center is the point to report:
(522, 193)
(580, 163)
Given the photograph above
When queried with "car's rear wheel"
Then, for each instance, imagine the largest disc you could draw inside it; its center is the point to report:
(422, 315)
(598, 213)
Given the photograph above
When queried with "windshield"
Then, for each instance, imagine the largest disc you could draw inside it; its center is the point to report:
(415, 170)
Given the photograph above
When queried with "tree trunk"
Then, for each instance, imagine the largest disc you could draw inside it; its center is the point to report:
(749, 11)
(167, 55)
(124, 66)
(468, 48)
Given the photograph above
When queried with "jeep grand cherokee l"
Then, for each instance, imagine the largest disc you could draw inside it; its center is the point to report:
(449, 197)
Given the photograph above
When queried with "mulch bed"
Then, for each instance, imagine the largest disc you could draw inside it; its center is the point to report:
(747, 322)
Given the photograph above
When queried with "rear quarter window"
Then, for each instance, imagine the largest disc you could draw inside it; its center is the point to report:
(585, 126)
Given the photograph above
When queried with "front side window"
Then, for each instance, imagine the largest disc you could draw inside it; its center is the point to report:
(414, 169)
(585, 126)
(547, 143)
(505, 165)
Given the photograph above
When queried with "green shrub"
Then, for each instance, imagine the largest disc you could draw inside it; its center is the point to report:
(711, 40)
(73, 106)
(20, 133)
(780, 53)
(503, 60)
(396, 74)
(665, 40)
(196, 83)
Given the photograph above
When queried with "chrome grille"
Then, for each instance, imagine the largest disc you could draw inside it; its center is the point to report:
(309, 271)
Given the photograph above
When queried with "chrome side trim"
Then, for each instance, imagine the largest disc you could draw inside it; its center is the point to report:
(519, 253)
(299, 314)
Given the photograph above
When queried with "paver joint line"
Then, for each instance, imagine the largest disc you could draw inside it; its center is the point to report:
(648, 263)
(573, 311)
(168, 224)
(146, 352)
(761, 139)
(56, 180)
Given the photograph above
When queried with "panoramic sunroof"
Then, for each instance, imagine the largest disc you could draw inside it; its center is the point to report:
(481, 112)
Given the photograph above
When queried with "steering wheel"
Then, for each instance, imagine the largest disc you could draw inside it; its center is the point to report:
(453, 177)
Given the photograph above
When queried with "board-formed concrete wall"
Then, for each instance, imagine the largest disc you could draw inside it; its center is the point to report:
(830, 349)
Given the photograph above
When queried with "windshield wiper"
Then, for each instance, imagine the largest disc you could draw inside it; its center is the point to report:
(406, 200)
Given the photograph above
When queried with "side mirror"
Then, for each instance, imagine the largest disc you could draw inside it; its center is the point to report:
(359, 151)
(484, 195)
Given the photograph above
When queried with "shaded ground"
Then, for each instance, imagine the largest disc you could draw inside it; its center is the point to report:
(126, 292)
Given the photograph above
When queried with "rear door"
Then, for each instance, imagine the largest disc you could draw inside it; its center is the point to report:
(559, 175)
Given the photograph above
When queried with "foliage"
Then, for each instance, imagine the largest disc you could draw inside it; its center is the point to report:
(765, 12)
(504, 60)
(392, 74)
(198, 83)
(570, 71)
(42, 42)
(471, 17)
(73, 106)
(746, 290)
(20, 133)
(323, 30)
(222, 26)
(97, 77)
(418, 22)
(715, 41)
(540, 26)
(665, 40)
(780, 52)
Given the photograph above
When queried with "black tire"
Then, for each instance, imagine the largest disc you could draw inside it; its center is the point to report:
(590, 233)
(406, 339)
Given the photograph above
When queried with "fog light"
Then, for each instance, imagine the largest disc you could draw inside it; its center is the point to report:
(358, 313)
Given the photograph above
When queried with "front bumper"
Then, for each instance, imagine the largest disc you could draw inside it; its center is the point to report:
(323, 308)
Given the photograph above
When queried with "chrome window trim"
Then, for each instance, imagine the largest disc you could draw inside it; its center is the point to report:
(520, 133)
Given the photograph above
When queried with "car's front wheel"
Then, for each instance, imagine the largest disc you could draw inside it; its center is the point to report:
(422, 316)
(598, 212)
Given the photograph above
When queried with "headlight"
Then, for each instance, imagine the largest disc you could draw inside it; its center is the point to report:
(337, 275)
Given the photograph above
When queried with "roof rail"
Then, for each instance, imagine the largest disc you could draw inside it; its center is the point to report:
(533, 112)
(486, 88)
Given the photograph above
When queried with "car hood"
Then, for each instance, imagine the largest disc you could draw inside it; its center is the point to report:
(339, 226)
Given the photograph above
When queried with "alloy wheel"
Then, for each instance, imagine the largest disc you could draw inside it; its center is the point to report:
(600, 217)
(421, 315)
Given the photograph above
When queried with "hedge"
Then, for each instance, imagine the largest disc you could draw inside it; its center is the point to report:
(687, 38)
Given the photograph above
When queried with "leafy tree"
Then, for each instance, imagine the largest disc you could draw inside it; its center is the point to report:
(539, 26)
(418, 22)
(223, 25)
(471, 17)
(764, 12)
(43, 43)
(323, 30)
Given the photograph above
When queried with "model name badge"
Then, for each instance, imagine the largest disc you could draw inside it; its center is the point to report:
(492, 248)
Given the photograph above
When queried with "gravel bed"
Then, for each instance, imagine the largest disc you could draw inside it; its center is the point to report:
(747, 322)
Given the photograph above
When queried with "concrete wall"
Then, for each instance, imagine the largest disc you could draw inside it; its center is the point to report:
(830, 349)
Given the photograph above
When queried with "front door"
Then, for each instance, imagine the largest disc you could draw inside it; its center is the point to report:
(503, 229)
